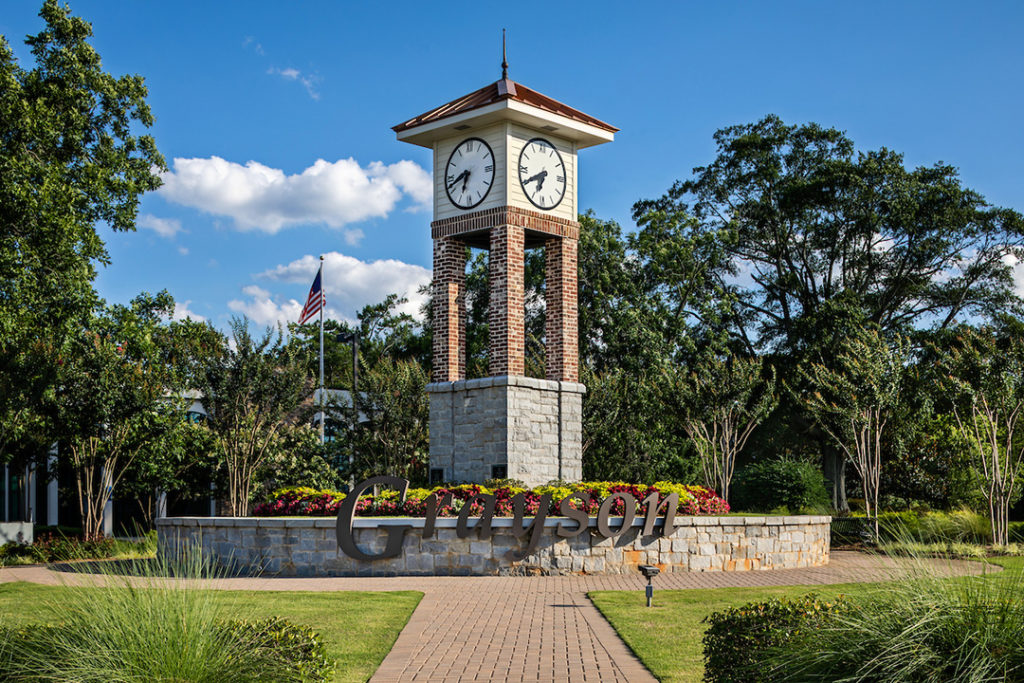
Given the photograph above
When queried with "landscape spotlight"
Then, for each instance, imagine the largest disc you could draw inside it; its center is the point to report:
(650, 571)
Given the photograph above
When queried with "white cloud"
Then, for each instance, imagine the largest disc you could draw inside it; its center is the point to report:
(165, 227)
(410, 178)
(263, 310)
(256, 46)
(351, 284)
(183, 251)
(1018, 273)
(181, 312)
(354, 236)
(308, 81)
(259, 197)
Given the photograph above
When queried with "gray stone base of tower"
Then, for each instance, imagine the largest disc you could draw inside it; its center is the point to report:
(517, 427)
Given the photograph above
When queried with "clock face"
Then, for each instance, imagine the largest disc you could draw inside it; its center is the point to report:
(470, 173)
(542, 173)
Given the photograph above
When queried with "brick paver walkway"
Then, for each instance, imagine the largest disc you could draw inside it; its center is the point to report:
(527, 628)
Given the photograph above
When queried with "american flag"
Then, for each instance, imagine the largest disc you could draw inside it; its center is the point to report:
(317, 300)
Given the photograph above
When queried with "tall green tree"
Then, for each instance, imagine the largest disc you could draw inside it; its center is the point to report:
(628, 434)
(721, 398)
(110, 380)
(388, 432)
(856, 399)
(984, 370)
(259, 387)
(176, 456)
(796, 231)
(70, 157)
(383, 331)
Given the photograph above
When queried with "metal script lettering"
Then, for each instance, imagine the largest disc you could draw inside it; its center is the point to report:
(628, 501)
(347, 511)
(534, 528)
(433, 507)
(483, 525)
(580, 516)
(671, 505)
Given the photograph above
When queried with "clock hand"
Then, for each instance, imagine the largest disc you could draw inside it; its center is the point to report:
(465, 182)
(462, 176)
(539, 177)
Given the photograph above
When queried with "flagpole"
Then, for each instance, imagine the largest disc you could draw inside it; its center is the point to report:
(322, 388)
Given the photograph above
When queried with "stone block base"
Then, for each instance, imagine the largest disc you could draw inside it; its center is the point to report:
(530, 429)
(15, 532)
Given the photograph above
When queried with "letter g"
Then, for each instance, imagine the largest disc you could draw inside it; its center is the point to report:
(347, 511)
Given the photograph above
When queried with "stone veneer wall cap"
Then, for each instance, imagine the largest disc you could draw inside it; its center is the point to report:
(496, 522)
(479, 383)
(440, 387)
(308, 522)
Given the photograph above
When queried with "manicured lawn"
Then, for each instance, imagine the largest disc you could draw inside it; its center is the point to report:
(358, 628)
(667, 637)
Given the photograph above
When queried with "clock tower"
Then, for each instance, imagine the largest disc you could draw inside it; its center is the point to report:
(505, 179)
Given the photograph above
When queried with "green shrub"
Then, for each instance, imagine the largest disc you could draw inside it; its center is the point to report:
(929, 527)
(57, 547)
(739, 640)
(958, 526)
(947, 549)
(300, 648)
(795, 484)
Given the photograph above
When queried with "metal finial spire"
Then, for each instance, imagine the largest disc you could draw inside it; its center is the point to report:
(504, 61)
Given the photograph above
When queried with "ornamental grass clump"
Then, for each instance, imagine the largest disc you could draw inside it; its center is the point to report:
(925, 627)
(921, 627)
(156, 622)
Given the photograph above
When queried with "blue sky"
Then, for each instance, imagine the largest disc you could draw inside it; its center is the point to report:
(275, 117)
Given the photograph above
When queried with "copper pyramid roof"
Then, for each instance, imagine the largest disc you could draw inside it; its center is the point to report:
(503, 89)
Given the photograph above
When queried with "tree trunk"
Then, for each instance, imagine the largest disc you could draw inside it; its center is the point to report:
(833, 462)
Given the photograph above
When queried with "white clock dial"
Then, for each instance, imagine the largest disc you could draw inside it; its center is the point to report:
(470, 173)
(542, 173)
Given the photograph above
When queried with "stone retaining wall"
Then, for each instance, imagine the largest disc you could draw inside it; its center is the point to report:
(306, 546)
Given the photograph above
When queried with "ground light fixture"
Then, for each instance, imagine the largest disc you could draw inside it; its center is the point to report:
(650, 571)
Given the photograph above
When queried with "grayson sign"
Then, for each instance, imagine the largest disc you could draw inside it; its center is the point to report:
(575, 523)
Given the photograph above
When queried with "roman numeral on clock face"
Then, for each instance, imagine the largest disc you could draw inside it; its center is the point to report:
(469, 173)
(542, 174)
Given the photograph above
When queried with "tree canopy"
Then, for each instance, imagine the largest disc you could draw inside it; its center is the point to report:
(792, 222)
(69, 160)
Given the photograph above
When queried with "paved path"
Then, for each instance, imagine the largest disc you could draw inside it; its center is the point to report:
(527, 628)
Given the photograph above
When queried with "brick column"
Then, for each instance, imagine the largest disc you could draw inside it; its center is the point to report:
(560, 325)
(505, 313)
(449, 310)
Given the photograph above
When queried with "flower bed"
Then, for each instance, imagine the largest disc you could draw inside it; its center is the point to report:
(308, 502)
